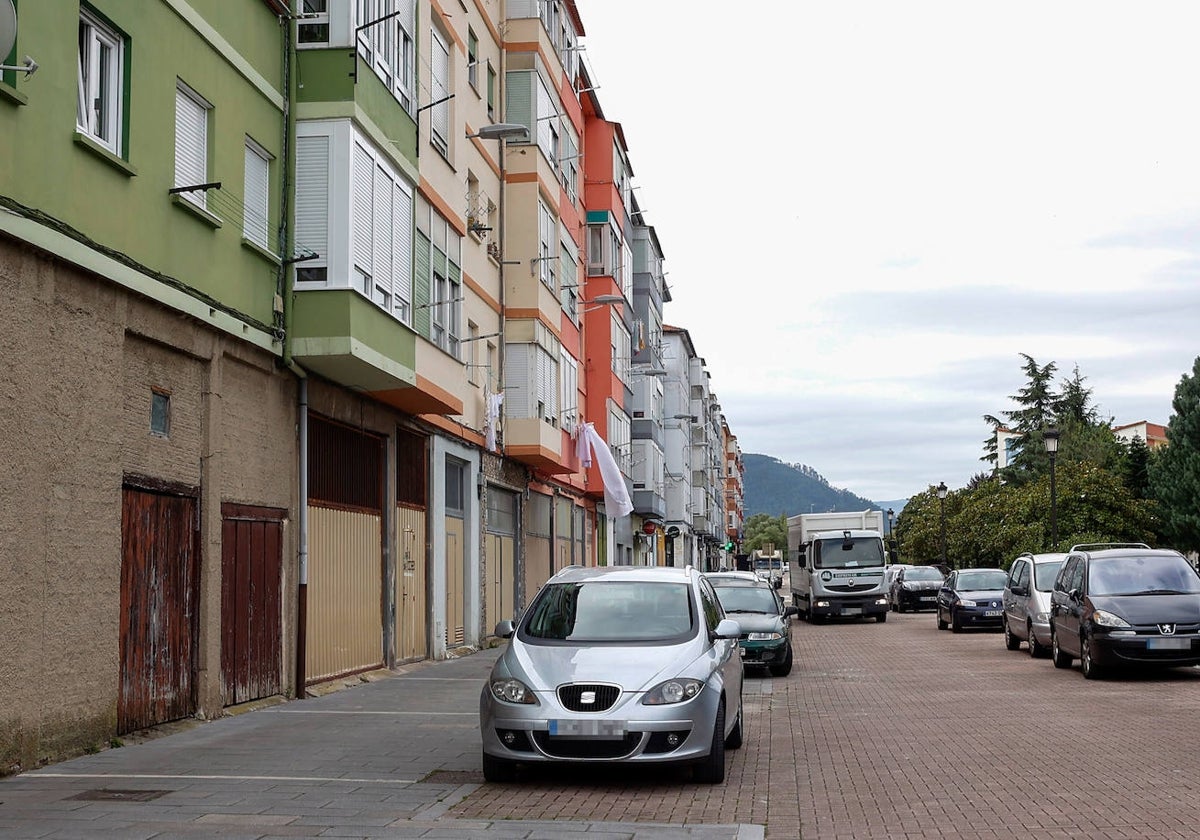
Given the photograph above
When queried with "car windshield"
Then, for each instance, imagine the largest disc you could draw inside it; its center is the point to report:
(857, 552)
(980, 581)
(1142, 576)
(1044, 575)
(922, 574)
(756, 599)
(611, 611)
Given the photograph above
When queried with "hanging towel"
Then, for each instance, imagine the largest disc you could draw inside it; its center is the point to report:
(492, 421)
(616, 495)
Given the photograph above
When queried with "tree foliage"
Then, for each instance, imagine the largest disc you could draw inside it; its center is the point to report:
(763, 529)
(1175, 470)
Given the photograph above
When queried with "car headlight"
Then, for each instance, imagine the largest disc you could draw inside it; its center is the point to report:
(765, 637)
(511, 690)
(1107, 619)
(966, 602)
(672, 691)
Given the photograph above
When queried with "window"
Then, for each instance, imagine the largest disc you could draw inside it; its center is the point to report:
(439, 118)
(547, 240)
(456, 480)
(438, 280)
(255, 205)
(621, 364)
(100, 82)
(191, 143)
(569, 396)
(383, 32)
(160, 413)
(313, 25)
(491, 91)
(472, 59)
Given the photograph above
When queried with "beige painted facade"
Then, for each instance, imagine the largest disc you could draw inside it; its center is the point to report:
(82, 359)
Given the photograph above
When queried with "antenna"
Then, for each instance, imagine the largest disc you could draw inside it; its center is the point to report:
(8, 38)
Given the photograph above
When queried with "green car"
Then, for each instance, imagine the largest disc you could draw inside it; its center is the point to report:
(766, 640)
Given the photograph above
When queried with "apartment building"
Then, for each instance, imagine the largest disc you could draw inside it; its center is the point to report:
(333, 331)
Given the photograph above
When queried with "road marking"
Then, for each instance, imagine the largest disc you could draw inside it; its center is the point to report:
(184, 777)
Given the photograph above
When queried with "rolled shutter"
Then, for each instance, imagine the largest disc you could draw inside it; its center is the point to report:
(402, 224)
(256, 202)
(191, 144)
(363, 210)
(312, 197)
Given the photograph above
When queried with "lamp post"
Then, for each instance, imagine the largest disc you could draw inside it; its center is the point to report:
(942, 490)
(1050, 438)
(891, 535)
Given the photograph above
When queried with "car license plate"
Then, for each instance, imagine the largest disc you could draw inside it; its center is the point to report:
(1169, 644)
(993, 613)
(928, 597)
(588, 728)
(851, 610)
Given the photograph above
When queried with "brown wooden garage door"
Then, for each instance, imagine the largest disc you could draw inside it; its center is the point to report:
(251, 607)
(159, 608)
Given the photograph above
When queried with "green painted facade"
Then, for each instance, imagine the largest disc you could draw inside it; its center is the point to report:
(231, 52)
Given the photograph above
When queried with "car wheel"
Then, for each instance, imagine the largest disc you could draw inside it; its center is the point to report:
(899, 607)
(1011, 642)
(955, 624)
(941, 623)
(1060, 659)
(782, 669)
(1036, 649)
(498, 769)
(1087, 664)
(734, 739)
(711, 770)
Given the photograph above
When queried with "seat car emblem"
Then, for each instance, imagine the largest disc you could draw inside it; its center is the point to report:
(587, 697)
(1167, 629)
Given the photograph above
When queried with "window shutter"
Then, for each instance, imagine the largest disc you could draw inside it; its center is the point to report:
(420, 319)
(518, 99)
(402, 223)
(312, 197)
(439, 123)
(383, 222)
(519, 394)
(544, 115)
(363, 209)
(256, 203)
(191, 144)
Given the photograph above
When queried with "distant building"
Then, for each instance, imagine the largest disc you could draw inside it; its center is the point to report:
(1008, 442)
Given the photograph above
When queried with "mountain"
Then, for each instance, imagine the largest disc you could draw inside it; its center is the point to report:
(773, 487)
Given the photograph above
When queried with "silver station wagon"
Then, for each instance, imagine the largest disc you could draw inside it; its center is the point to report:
(616, 664)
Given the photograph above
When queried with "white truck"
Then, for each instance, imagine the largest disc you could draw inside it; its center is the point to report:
(768, 564)
(837, 562)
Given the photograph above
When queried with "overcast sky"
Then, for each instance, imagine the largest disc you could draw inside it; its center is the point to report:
(869, 210)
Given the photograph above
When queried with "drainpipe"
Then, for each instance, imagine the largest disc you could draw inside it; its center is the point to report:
(283, 323)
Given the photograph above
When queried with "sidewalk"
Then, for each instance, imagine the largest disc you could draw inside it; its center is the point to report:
(388, 758)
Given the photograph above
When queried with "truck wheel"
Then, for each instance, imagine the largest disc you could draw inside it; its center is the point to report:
(881, 618)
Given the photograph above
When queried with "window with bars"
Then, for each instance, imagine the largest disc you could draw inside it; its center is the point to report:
(100, 78)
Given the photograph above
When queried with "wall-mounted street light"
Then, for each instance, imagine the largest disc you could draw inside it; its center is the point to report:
(942, 490)
(1050, 438)
(500, 131)
(603, 300)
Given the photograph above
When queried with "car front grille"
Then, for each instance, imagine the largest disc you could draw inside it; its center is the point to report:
(560, 747)
(602, 697)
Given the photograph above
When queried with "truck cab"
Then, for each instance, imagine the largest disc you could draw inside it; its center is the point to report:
(838, 574)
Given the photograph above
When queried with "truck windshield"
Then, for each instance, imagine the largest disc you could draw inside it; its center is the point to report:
(863, 551)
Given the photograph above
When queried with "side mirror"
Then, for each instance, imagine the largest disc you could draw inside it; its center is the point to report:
(788, 612)
(1075, 595)
(505, 629)
(727, 628)
(779, 583)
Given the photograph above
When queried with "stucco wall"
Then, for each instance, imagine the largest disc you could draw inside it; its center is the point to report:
(80, 358)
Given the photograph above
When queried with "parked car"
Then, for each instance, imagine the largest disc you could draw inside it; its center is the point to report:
(889, 575)
(970, 598)
(1129, 604)
(915, 588)
(616, 664)
(766, 622)
(1026, 601)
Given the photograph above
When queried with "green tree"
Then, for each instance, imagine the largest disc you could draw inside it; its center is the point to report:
(1175, 470)
(1135, 468)
(762, 529)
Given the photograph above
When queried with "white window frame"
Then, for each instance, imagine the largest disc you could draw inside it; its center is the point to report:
(100, 82)
(620, 347)
(439, 90)
(256, 205)
(547, 245)
(568, 377)
(192, 116)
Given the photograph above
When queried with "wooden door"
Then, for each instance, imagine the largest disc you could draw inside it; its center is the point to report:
(160, 615)
(251, 603)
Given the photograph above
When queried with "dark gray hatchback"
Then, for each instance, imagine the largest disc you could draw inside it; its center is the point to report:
(1126, 605)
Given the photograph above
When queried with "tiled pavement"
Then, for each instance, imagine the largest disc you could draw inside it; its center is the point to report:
(882, 731)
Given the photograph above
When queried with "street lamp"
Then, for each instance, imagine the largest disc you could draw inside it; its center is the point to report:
(942, 490)
(1050, 438)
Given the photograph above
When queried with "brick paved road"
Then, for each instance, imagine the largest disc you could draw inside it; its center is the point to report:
(899, 730)
(888, 730)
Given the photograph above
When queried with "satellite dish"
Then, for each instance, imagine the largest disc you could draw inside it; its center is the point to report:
(8, 28)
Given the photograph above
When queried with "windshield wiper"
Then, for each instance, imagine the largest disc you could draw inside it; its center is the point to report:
(1161, 592)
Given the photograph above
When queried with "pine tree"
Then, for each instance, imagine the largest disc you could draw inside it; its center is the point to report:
(1175, 470)
(1136, 468)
